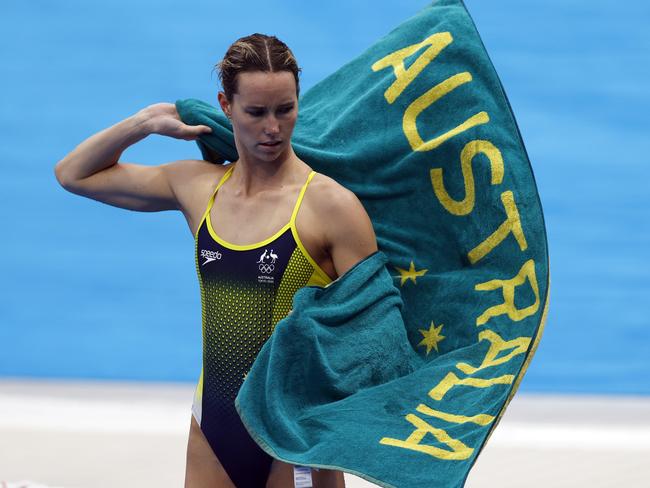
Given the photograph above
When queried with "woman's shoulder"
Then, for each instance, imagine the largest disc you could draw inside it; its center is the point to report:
(192, 181)
(326, 188)
(329, 197)
(349, 228)
(201, 166)
(187, 173)
(323, 184)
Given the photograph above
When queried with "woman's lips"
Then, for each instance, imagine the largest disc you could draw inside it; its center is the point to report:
(270, 146)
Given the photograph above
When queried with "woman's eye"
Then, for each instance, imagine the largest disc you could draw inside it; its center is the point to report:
(259, 113)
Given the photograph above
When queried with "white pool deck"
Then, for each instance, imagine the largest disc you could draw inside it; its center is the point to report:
(74, 434)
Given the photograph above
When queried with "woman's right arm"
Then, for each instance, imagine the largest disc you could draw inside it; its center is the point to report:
(92, 169)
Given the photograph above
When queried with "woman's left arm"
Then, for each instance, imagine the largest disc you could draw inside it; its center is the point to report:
(349, 234)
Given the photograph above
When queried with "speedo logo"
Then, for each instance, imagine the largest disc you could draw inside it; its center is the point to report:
(209, 256)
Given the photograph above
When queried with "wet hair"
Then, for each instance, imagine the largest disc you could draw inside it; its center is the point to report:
(257, 52)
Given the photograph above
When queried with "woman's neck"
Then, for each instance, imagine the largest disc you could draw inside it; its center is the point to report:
(252, 177)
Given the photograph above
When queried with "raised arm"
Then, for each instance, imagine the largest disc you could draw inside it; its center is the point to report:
(93, 169)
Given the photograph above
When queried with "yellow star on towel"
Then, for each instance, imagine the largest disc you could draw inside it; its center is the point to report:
(246, 374)
(410, 274)
(431, 337)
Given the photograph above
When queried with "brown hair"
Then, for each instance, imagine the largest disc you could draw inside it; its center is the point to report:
(257, 52)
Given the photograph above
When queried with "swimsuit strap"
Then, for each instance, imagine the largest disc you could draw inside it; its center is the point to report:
(206, 212)
(300, 196)
(223, 179)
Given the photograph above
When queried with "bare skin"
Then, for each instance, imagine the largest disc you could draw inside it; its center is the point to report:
(261, 191)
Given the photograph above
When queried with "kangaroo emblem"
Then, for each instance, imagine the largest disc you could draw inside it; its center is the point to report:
(263, 256)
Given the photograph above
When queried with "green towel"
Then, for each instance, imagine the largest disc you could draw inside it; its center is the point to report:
(400, 370)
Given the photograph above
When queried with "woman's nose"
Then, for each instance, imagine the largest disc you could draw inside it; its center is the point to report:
(272, 125)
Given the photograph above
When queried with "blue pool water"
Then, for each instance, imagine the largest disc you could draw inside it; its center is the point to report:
(92, 291)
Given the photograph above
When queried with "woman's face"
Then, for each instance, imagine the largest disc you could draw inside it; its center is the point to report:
(264, 110)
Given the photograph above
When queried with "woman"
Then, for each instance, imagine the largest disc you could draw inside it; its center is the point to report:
(264, 226)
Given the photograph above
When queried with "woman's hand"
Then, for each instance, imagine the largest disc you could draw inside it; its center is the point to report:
(163, 119)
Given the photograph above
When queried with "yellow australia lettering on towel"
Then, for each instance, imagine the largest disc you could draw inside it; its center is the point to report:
(403, 77)
(455, 449)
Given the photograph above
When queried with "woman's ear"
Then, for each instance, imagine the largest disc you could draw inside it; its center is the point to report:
(224, 104)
